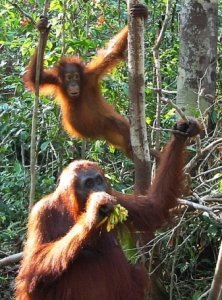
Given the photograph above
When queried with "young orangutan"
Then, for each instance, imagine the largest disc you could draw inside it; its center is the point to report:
(76, 86)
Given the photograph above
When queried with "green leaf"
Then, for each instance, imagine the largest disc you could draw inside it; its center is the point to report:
(44, 146)
(17, 167)
(220, 185)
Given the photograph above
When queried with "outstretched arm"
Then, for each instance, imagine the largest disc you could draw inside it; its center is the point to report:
(48, 78)
(149, 212)
(109, 57)
(49, 251)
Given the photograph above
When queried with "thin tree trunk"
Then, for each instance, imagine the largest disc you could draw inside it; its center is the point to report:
(138, 129)
(33, 150)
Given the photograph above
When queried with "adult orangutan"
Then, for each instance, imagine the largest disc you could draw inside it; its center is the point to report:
(70, 255)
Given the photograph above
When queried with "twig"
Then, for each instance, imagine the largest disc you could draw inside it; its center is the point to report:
(162, 91)
(216, 197)
(204, 162)
(207, 172)
(210, 146)
(173, 269)
(192, 163)
(206, 182)
(204, 295)
(217, 127)
(201, 207)
(164, 25)
(174, 251)
(63, 27)
(168, 101)
(168, 130)
(198, 144)
(213, 199)
(22, 12)
(216, 287)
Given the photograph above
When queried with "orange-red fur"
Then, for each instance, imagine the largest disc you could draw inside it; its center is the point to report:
(67, 257)
(89, 115)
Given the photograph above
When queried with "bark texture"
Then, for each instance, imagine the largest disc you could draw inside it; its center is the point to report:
(196, 85)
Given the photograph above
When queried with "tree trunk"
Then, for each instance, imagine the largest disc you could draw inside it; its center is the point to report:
(138, 129)
(196, 85)
(33, 148)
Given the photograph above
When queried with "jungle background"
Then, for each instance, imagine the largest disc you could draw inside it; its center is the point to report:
(188, 247)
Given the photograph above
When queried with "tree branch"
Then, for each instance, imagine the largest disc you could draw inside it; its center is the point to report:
(197, 206)
(156, 57)
(192, 163)
(11, 259)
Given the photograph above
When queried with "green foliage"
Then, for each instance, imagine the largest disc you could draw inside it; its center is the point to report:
(220, 185)
(128, 244)
(81, 27)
